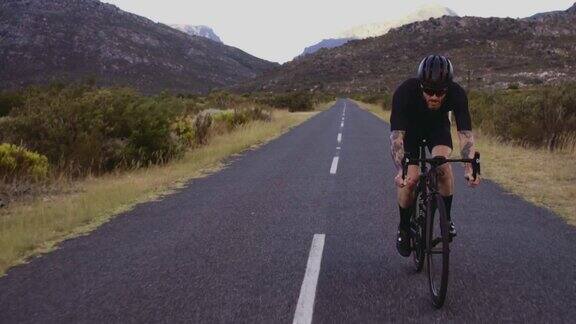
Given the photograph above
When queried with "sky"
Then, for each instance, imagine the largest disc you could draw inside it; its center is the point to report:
(279, 30)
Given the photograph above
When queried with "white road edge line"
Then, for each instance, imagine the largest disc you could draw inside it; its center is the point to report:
(305, 306)
(334, 166)
(339, 137)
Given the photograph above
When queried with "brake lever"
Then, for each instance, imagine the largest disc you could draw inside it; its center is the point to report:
(475, 167)
(405, 162)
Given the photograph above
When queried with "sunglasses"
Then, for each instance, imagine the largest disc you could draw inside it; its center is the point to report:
(431, 92)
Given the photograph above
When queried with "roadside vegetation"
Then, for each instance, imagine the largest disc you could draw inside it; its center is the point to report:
(71, 157)
(293, 101)
(527, 138)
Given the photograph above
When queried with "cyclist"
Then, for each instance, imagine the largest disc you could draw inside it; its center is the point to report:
(420, 109)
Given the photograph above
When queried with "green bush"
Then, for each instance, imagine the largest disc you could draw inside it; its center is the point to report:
(223, 100)
(540, 117)
(82, 129)
(19, 164)
(293, 101)
(243, 115)
(9, 101)
(202, 125)
(383, 99)
(513, 86)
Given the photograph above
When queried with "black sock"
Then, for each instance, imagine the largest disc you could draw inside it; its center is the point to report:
(405, 217)
(448, 204)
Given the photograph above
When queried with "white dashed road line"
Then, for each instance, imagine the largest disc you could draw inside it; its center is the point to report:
(339, 137)
(334, 166)
(305, 306)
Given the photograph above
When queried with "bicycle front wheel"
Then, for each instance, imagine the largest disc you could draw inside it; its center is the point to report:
(438, 249)
(418, 227)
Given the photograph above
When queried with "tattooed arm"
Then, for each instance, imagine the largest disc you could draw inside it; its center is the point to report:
(397, 147)
(467, 147)
(467, 150)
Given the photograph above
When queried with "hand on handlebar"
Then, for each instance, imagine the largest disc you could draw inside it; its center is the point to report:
(407, 181)
(400, 183)
(468, 175)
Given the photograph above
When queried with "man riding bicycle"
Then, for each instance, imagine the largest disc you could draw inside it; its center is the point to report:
(420, 109)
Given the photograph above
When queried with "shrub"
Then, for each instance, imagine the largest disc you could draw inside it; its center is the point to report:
(82, 129)
(293, 101)
(223, 100)
(383, 99)
(513, 86)
(19, 164)
(9, 101)
(202, 125)
(543, 117)
(242, 115)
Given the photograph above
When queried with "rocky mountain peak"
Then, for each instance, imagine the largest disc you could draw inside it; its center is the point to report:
(198, 30)
(381, 28)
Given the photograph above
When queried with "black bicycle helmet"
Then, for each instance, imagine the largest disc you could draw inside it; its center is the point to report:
(436, 72)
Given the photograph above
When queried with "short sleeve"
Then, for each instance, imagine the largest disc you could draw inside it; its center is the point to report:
(461, 111)
(398, 120)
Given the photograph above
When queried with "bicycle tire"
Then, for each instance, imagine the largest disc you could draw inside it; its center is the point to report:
(418, 235)
(437, 280)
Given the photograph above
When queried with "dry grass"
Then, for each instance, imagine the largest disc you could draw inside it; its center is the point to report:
(539, 176)
(34, 227)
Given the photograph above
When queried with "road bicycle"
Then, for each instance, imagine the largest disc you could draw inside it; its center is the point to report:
(429, 228)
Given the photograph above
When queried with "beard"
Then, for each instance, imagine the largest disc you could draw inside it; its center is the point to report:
(434, 103)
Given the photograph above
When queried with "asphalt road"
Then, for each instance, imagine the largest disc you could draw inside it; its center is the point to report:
(236, 246)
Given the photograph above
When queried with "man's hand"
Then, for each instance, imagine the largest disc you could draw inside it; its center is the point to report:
(468, 175)
(407, 181)
(400, 183)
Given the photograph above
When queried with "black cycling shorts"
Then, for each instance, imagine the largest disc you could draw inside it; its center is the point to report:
(434, 137)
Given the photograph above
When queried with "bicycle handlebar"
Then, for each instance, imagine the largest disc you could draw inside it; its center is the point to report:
(439, 160)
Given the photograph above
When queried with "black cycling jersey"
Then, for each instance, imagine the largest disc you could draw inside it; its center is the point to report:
(411, 114)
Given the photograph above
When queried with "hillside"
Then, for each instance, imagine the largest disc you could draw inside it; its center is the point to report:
(74, 40)
(496, 51)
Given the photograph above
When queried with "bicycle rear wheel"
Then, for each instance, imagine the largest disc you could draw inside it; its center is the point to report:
(418, 228)
(438, 250)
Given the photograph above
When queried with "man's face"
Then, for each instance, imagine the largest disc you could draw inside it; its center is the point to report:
(434, 99)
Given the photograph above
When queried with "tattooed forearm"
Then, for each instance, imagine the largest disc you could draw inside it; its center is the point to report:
(397, 148)
(466, 144)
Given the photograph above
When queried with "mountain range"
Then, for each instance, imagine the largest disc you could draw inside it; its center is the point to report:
(76, 40)
(486, 52)
(381, 28)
